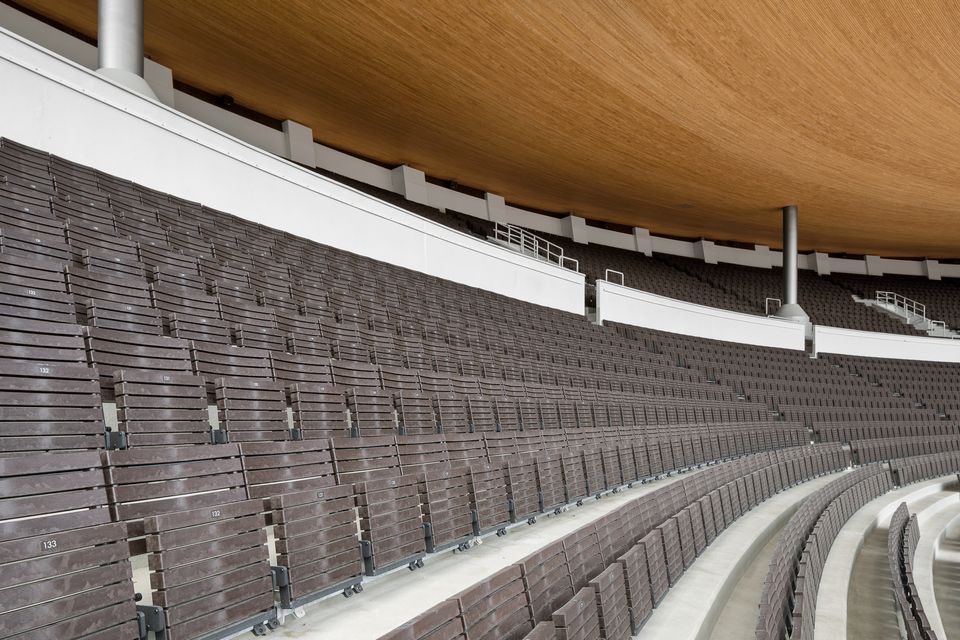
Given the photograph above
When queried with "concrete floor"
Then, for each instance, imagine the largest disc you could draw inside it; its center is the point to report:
(871, 612)
(934, 521)
(738, 619)
(946, 580)
(725, 582)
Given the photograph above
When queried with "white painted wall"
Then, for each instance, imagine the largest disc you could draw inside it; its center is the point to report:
(642, 309)
(68, 110)
(884, 345)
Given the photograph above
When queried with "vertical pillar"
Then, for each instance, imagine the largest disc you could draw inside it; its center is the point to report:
(120, 43)
(790, 310)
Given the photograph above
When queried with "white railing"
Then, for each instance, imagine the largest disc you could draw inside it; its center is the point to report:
(533, 245)
(607, 272)
(911, 308)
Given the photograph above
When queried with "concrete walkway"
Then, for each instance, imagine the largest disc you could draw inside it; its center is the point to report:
(855, 599)
(946, 580)
(391, 599)
(710, 589)
(934, 522)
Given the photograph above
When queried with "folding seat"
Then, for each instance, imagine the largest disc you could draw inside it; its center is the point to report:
(578, 619)
(104, 253)
(496, 608)
(546, 578)
(34, 289)
(465, 385)
(574, 477)
(316, 541)
(452, 414)
(488, 496)
(275, 468)
(567, 415)
(212, 361)
(550, 480)
(24, 240)
(67, 571)
(112, 351)
(252, 410)
(481, 415)
(355, 374)
(190, 314)
(319, 410)
(584, 558)
(365, 458)
(653, 550)
(49, 407)
(294, 369)
(208, 575)
(158, 408)
(156, 480)
(419, 452)
(522, 487)
(47, 343)
(610, 593)
(592, 457)
(442, 622)
(500, 445)
(445, 498)
(120, 303)
(393, 378)
(545, 630)
(637, 586)
(391, 523)
(612, 473)
(688, 547)
(371, 411)
(415, 413)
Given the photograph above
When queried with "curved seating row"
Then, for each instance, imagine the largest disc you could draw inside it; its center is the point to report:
(880, 449)
(604, 579)
(788, 601)
(902, 540)
(917, 468)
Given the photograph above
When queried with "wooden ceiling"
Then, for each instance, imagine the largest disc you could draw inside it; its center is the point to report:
(691, 118)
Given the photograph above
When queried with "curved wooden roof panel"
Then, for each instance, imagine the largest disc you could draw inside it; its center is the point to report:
(691, 118)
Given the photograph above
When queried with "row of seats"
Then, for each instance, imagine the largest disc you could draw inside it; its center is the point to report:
(604, 579)
(881, 449)
(788, 600)
(200, 512)
(902, 538)
(916, 468)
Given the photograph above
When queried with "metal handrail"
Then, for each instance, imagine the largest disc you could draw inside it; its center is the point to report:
(766, 304)
(910, 307)
(533, 245)
(607, 272)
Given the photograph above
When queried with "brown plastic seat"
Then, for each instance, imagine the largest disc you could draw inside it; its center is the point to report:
(49, 407)
(578, 619)
(119, 302)
(275, 468)
(161, 408)
(110, 351)
(252, 410)
(391, 523)
(49, 343)
(488, 495)
(210, 569)
(319, 410)
(497, 607)
(156, 480)
(316, 542)
(66, 573)
(34, 289)
(212, 361)
(445, 492)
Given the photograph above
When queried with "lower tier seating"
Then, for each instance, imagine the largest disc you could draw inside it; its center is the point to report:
(902, 537)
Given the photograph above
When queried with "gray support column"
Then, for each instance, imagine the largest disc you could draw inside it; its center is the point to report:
(790, 310)
(120, 43)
